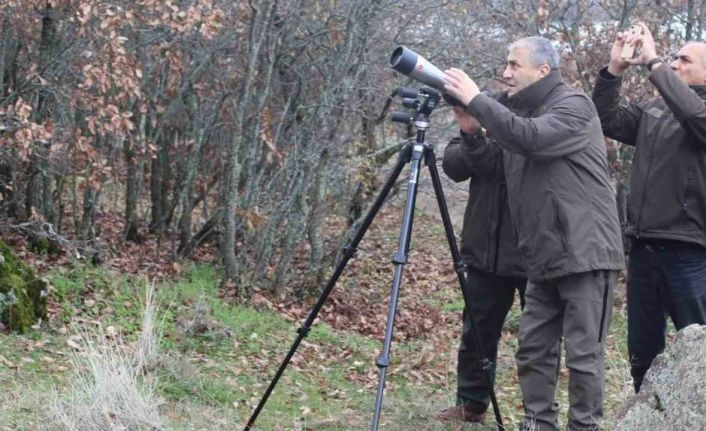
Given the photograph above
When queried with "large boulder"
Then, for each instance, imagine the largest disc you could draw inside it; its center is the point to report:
(673, 394)
(22, 293)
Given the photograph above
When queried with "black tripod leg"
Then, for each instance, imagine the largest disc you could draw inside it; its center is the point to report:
(349, 251)
(400, 259)
(486, 364)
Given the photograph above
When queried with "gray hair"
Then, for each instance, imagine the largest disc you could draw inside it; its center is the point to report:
(540, 51)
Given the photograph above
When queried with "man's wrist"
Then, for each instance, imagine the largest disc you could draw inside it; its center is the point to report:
(606, 75)
(472, 135)
(616, 70)
(473, 96)
(650, 65)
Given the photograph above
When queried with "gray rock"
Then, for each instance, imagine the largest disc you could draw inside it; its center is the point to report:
(673, 394)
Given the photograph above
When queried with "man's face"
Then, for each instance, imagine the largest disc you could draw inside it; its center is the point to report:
(690, 63)
(520, 73)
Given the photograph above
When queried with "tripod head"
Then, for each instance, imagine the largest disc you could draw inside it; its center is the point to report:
(422, 101)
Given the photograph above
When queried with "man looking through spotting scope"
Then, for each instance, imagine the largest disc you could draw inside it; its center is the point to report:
(563, 208)
(494, 266)
(666, 211)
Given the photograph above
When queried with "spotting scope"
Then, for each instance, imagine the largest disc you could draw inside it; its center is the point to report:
(411, 64)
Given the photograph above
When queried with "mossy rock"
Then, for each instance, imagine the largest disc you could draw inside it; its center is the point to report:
(22, 292)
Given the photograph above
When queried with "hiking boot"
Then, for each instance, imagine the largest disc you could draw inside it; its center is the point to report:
(462, 414)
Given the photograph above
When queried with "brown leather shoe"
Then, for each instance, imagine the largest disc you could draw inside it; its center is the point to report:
(462, 414)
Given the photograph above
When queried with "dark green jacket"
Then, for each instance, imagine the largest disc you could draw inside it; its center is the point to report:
(667, 198)
(488, 240)
(561, 199)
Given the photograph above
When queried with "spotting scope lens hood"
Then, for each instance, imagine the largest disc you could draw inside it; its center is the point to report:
(411, 64)
(403, 60)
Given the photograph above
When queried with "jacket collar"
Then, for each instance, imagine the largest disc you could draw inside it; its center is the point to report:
(700, 90)
(532, 97)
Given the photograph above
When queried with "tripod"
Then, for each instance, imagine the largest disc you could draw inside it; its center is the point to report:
(415, 153)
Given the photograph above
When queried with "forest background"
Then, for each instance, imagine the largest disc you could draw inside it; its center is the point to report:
(220, 154)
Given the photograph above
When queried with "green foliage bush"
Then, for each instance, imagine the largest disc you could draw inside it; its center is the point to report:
(22, 292)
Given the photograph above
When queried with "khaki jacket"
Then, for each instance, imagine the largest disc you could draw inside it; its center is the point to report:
(667, 195)
(561, 200)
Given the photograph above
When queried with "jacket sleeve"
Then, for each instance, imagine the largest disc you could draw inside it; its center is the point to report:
(619, 122)
(688, 108)
(560, 131)
(473, 155)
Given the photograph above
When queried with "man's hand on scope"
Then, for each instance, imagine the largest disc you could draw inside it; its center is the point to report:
(466, 122)
(460, 85)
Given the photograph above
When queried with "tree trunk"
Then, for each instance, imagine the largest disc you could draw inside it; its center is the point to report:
(260, 22)
(30, 187)
(187, 207)
(8, 181)
(233, 167)
(367, 174)
(292, 231)
(316, 218)
(170, 207)
(191, 167)
(8, 59)
(131, 195)
(38, 181)
(90, 203)
(690, 20)
(156, 194)
(159, 169)
(160, 177)
(58, 202)
(74, 189)
(206, 233)
(700, 21)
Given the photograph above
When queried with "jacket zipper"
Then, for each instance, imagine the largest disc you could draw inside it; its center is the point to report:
(497, 229)
(647, 178)
(684, 205)
(559, 225)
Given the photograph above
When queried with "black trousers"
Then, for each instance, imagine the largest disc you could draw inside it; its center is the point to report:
(491, 299)
(667, 278)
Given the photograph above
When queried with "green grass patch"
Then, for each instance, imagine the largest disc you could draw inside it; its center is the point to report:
(217, 359)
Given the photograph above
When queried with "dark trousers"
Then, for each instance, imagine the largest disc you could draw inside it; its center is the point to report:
(491, 299)
(664, 278)
(577, 308)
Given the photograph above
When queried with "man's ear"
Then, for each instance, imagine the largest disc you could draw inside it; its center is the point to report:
(544, 70)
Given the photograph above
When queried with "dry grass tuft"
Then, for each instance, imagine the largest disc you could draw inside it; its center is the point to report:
(109, 389)
(147, 352)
